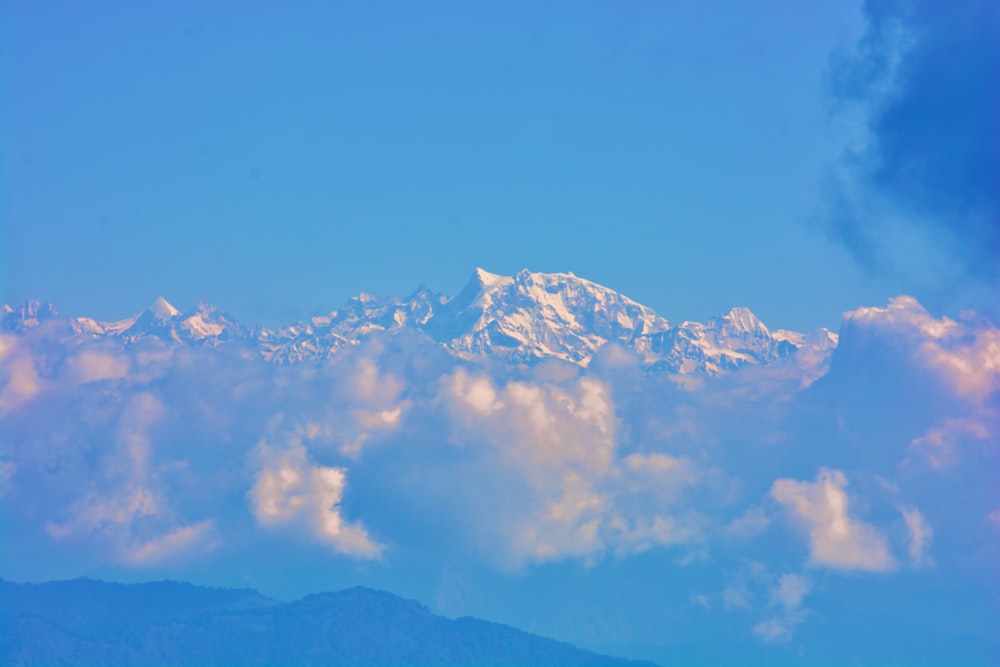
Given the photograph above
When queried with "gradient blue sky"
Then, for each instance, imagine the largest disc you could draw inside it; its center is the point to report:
(276, 161)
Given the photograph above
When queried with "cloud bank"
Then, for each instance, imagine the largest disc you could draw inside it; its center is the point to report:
(158, 457)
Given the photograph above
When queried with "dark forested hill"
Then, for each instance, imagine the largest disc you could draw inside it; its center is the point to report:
(91, 623)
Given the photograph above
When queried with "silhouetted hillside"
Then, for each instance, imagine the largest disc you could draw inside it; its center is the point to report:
(91, 623)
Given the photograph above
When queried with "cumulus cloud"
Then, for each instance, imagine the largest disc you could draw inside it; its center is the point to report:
(924, 76)
(289, 490)
(836, 540)
(21, 380)
(370, 404)
(964, 354)
(559, 442)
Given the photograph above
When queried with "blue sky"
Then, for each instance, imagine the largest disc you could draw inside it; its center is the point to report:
(277, 161)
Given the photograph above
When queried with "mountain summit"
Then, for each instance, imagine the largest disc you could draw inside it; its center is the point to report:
(532, 316)
(161, 309)
(521, 319)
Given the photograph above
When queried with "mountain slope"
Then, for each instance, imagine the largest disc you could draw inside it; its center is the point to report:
(84, 622)
(518, 319)
(539, 315)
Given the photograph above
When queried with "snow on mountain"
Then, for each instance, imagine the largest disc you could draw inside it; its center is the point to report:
(28, 316)
(536, 315)
(362, 316)
(162, 309)
(726, 342)
(205, 324)
(519, 319)
(821, 339)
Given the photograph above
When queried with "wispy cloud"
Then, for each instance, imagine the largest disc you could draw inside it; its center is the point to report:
(920, 535)
(924, 175)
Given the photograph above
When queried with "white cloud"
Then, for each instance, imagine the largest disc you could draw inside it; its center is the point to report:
(749, 524)
(790, 590)
(941, 444)
(136, 523)
(141, 412)
(701, 600)
(18, 374)
(736, 596)
(835, 539)
(123, 507)
(920, 535)
(965, 354)
(370, 386)
(149, 456)
(559, 442)
(288, 490)
(773, 630)
(752, 589)
(169, 546)
(784, 608)
(371, 405)
(781, 628)
(96, 512)
(95, 365)
(787, 595)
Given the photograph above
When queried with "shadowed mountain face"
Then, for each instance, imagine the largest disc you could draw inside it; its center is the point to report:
(85, 622)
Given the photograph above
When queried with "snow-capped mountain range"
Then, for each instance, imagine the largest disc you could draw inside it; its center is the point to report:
(522, 318)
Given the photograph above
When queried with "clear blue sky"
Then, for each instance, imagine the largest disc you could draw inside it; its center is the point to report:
(277, 160)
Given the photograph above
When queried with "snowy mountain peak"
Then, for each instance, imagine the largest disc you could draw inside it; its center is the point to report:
(162, 309)
(739, 321)
(485, 279)
(365, 297)
(208, 322)
(204, 308)
(820, 339)
(529, 316)
(29, 315)
(519, 319)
